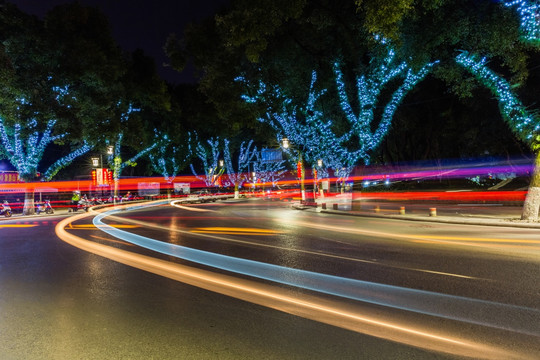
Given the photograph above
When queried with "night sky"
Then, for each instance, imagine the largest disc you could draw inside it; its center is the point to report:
(142, 24)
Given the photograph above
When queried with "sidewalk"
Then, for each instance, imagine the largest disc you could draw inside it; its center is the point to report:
(19, 216)
(471, 214)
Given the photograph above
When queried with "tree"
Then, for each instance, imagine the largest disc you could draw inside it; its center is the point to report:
(26, 155)
(38, 103)
(210, 161)
(167, 157)
(317, 137)
(268, 171)
(118, 164)
(124, 97)
(525, 125)
(245, 156)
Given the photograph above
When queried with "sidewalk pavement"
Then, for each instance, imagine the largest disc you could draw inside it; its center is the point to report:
(471, 214)
(20, 216)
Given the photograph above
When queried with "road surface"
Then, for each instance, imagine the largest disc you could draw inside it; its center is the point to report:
(289, 284)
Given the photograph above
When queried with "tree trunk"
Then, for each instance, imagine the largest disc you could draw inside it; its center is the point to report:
(29, 206)
(532, 200)
(116, 182)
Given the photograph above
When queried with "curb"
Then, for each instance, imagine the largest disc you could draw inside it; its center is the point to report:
(505, 222)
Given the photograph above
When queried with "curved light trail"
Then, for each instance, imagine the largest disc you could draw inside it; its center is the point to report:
(424, 302)
(329, 311)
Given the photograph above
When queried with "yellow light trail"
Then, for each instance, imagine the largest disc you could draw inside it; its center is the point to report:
(93, 227)
(17, 225)
(311, 307)
(413, 237)
(214, 235)
(235, 231)
(477, 239)
(189, 208)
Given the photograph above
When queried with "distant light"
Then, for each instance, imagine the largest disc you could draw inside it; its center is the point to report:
(110, 150)
(221, 163)
(387, 182)
(285, 143)
(95, 162)
(319, 163)
(366, 183)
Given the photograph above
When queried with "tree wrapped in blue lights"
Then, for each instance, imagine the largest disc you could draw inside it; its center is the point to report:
(116, 162)
(523, 123)
(245, 156)
(313, 134)
(529, 14)
(267, 171)
(210, 161)
(167, 158)
(25, 152)
(369, 87)
(114, 158)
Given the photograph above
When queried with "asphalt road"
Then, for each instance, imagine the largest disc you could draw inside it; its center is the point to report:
(361, 288)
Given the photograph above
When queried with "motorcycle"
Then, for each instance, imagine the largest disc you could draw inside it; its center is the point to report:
(45, 207)
(83, 204)
(6, 209)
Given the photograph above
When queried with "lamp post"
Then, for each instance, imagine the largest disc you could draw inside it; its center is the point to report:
(110, 152)
(300, 167)
(316, 178)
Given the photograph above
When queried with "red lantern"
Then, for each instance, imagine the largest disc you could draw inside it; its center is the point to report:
(109, 176)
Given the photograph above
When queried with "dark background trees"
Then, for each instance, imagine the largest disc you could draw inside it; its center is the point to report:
(280, 42)
(450, 114)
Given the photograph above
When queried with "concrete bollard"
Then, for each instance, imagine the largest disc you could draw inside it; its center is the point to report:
(377, 209)
(335, 206)
(432, 211)
(402, 210)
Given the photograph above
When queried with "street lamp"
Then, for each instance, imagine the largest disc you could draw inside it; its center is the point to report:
(220, 163)
(110, 150)
(316, 178)
(95, 162)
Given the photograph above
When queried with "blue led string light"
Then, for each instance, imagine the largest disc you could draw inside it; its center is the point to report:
(65, 161)
(268, 171)
(164, 156)
(312, 132)
(26, 155)
(369, 87)
(209, 158)
(245, 156)
(512, 110)
(529, 14)
(115, 159)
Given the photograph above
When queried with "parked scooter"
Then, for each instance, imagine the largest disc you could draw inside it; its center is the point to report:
(45, 207)
(5, 209)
